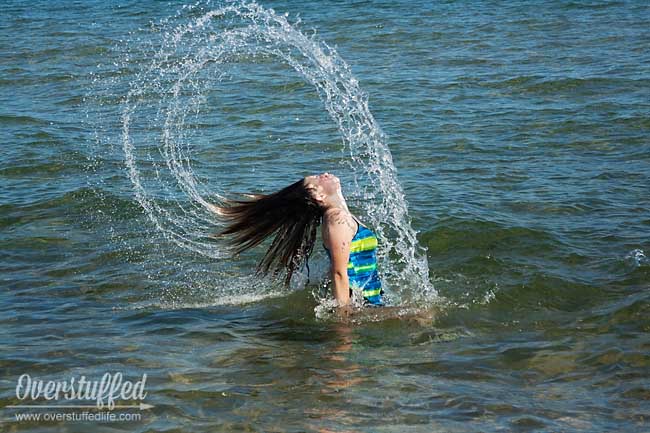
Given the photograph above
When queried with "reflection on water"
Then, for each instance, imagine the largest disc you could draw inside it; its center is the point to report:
(338, 374)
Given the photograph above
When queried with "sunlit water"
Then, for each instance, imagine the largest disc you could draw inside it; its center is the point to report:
(499, 150)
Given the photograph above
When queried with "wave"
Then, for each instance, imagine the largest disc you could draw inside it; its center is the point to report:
(515, 267)
(23, 120)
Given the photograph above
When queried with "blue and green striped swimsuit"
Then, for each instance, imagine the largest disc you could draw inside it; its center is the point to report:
(362, 265)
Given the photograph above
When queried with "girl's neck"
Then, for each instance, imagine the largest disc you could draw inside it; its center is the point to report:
(338, 202)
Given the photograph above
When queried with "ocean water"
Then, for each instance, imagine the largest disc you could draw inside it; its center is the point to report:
(500, 149)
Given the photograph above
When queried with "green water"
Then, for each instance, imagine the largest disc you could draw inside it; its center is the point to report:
(519, 135)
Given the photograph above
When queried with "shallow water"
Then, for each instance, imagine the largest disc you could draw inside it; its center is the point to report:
(520, 137)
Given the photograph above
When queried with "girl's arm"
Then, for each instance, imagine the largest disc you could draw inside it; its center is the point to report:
(337, 234)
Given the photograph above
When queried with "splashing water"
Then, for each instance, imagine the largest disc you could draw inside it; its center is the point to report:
(168, 105)
(637, 256)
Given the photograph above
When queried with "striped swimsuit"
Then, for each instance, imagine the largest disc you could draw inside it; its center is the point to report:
(362, 266)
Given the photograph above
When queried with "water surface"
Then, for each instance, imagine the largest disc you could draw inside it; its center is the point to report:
(519, 134)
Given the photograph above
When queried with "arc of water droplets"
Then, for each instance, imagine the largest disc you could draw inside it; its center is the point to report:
(262, 32)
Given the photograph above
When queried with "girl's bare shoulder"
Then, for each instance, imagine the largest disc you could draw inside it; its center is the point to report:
(338, 222)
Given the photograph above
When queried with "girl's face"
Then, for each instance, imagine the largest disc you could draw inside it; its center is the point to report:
(322, 184)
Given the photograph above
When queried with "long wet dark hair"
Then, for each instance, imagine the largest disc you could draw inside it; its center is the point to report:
(290, 214)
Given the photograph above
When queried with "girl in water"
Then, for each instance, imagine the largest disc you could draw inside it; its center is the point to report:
(293, 214)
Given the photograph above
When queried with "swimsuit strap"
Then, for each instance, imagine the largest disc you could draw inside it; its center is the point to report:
(358, 222)
(359, 225)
